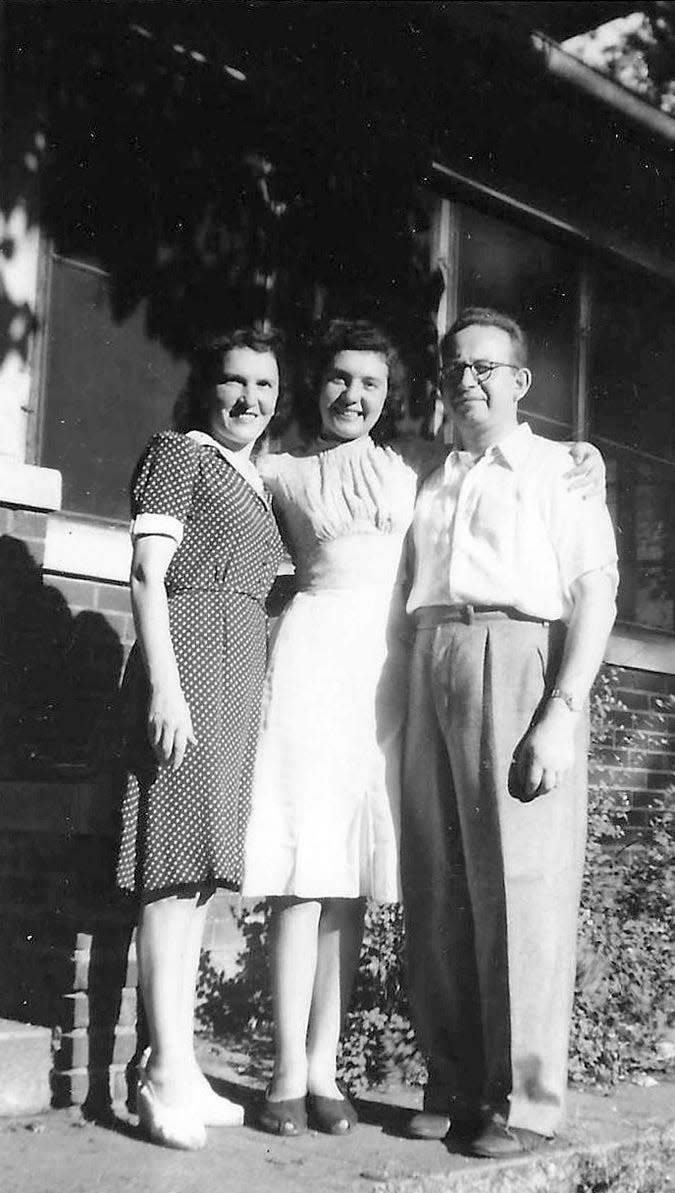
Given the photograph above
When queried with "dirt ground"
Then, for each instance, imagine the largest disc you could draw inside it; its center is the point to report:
(61, 1153)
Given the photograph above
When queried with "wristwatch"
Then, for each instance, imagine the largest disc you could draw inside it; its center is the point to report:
(572, 702)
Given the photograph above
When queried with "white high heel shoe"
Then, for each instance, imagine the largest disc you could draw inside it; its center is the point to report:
(216, 1111)
(171, 1126)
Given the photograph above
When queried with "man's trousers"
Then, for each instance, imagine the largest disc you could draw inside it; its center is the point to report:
(491, 884)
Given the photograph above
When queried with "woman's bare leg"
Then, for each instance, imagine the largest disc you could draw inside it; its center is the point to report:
(293, 951)
(339, 944)
(164, 947)
(189, 987)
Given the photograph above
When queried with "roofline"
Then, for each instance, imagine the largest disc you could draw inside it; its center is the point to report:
(565, 66)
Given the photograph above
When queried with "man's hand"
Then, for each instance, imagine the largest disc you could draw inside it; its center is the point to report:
(170, 726)
(546, 753)
(588, 473)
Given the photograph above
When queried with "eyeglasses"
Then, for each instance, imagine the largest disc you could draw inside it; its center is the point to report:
(481, 370)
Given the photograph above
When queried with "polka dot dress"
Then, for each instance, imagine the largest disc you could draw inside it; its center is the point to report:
(186, 828)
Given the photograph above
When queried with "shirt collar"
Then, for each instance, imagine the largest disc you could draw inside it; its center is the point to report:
(243, 465)
(513, 449)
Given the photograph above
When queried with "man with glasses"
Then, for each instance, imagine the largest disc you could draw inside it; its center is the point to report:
(510, 591)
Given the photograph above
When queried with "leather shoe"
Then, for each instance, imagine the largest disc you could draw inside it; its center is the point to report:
(531, 1140)
(495, 1141)
(287, 1117)
(333, 1116)
(427, 1125)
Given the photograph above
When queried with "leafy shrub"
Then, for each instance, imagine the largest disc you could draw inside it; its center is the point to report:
(625, 1003)
(625, 1000)
(625, 996)
(379, 1041)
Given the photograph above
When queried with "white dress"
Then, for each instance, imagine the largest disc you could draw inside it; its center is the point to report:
(325, 814)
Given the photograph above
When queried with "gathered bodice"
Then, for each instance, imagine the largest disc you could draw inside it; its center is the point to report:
(344, 511)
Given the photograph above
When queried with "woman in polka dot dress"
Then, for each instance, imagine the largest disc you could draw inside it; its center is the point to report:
(205, 553)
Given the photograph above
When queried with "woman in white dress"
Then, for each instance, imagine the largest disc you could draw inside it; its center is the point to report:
(323, 834)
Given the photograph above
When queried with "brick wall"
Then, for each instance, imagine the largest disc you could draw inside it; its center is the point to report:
(65, 932)
(63, 646)
(26, 527)
(66, 941)
(637, 757)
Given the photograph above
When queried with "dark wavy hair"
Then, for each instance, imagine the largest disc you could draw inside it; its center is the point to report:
(487, 317)
(193, 405)
(344, 335)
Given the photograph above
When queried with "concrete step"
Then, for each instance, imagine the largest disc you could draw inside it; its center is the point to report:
(25, 1067)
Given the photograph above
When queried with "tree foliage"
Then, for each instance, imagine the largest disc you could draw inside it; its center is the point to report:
(641, 56)
(224, 163)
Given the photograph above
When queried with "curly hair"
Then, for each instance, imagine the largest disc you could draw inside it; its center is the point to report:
(193, 405)
(357, 335)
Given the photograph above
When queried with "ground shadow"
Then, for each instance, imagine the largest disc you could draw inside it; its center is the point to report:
(391, 1118)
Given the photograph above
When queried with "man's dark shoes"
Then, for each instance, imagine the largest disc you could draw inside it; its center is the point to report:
(532, 1141)
(495, 1140)
(427, 1125)
(287, 1118)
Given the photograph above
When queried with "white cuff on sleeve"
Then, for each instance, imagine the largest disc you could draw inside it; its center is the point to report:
(163, 524)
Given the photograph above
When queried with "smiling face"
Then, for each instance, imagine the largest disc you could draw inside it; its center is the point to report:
(353, 394)
(484, 411)
(244, 399)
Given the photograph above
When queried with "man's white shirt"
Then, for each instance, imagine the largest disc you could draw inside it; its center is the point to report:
(505, 529)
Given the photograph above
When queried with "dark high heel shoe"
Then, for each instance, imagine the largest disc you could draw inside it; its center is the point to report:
(333, 1116)
(288, 1117)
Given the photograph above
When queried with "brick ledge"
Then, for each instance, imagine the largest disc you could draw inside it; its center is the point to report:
(85, 547)
(28, 486)
(641, 649)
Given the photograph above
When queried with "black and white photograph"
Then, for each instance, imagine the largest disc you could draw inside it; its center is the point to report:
(337, 596)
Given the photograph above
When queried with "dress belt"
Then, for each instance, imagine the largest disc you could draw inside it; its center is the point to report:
(223, 590)
(430, 616)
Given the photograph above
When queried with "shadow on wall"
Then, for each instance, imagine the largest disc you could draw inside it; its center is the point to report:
(59, 677)
(65, 930)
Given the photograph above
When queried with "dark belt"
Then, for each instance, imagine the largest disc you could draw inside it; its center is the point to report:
(430, 616)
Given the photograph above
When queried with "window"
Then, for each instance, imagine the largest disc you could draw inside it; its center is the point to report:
(536, 281)
(108, 387)
(632, 409)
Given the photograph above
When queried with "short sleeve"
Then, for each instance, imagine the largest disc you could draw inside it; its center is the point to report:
(162, 484)
(584, 537)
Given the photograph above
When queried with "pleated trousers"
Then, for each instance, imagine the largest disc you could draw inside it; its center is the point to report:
(491, 885)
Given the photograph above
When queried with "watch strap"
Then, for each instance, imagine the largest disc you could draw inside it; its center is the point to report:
(567, 698)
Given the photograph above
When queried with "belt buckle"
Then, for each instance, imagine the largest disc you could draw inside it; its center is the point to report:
(468, 614)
